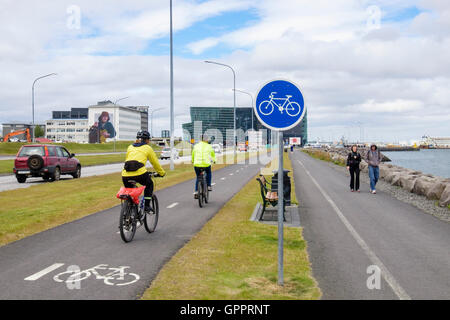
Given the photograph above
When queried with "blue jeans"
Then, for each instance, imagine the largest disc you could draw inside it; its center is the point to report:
(208, 175)
(374, 174)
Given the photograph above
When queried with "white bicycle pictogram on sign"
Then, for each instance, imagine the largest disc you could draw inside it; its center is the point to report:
(292, 108)
(115, 276)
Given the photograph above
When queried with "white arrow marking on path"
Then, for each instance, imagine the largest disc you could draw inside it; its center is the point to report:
(42, 273)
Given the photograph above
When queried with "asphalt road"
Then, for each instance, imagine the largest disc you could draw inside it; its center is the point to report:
(350, 233)
(34, 268)
(9, 182)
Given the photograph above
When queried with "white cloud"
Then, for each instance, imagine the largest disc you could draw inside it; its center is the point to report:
(394, 80)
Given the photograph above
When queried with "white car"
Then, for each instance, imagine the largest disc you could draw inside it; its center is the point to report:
(165, 153)
(217, 148)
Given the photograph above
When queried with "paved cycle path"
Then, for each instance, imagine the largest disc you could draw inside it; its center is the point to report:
(347, 233)
(28, 267)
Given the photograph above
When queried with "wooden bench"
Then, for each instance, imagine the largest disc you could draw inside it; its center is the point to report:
(268, 197)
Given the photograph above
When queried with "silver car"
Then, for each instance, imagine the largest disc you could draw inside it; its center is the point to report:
(165, 153)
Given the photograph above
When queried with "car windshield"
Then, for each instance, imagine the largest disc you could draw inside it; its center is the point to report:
(28, 151)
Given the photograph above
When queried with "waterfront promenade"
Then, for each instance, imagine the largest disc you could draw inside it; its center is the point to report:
(352, 235)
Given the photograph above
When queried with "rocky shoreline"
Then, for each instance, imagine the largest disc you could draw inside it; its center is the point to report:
(421, 190)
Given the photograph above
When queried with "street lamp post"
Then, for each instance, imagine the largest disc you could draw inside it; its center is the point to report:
(234, 104)
(151, 119)
(251, 96)
(115, 133)
(32, 98)
(171, 92)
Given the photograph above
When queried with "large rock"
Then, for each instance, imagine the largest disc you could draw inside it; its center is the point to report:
(423, 185)
(435, 190)
(445, 197)
(407, 182)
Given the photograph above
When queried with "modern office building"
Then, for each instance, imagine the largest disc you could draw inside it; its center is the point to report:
(108, 121)
(165, 133)
(102, 122)
(220, 120)
(71, 126)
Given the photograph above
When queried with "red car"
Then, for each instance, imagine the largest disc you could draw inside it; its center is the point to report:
(46, 161)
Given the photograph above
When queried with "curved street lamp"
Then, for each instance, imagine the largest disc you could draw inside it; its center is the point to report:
(251, 96)
(115, 103)
(151, 119)
(32, 97)
(234, 104)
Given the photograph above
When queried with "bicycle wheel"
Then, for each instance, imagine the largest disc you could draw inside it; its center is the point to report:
(200, 193)
(151, 218)
(266, 107)
(294, 109)
(127, 224)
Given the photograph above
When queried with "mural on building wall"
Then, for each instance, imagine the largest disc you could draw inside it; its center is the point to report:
(102, 129)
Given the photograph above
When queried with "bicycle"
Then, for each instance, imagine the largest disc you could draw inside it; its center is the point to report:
(132, 211)
(115, 276)
(292, 108)
(202, 188)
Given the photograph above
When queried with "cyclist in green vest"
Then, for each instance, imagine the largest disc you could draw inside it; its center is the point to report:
(202, 155)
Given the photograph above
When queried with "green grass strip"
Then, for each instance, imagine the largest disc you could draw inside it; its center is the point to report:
(234, 258)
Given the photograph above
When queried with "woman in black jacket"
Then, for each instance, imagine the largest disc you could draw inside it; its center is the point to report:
(353, 160)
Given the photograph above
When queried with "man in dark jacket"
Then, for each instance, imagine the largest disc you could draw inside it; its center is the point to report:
(353, 161)
(373, 159)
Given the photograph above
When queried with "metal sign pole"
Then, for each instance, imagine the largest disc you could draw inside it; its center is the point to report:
(280, 208)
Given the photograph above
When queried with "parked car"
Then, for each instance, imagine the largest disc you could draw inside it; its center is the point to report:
(46, 161)
(165, 153)
(242, 147)
(216, 148)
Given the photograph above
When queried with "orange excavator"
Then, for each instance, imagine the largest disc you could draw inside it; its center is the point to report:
(16, 133)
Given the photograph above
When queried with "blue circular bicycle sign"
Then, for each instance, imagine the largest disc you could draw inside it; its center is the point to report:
(280, 105)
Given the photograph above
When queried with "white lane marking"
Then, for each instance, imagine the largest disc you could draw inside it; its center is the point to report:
(231, 174)
(222, 178)
(172, 205)
(398, 290)
(42, 273)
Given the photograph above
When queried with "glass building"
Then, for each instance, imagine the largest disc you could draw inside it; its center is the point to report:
(218, 121)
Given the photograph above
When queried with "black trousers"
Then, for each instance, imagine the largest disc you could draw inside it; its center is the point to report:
(354, 175)
(143, 179)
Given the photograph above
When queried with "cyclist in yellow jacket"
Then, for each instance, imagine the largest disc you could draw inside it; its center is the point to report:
(134, 168)
(202, 155)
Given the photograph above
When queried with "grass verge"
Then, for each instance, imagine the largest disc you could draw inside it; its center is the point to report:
(38, 208)
(324, 156)
(6, 166)
(11, 148)
(234, 258)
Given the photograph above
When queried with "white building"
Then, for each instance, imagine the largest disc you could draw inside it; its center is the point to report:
(125, 122)
(72, 130)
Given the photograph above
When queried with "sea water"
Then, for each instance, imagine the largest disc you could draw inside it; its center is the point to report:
(432, 161)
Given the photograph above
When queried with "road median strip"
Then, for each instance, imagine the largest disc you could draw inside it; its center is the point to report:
(234, 258)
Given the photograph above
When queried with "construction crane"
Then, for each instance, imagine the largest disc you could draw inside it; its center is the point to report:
(16, 133)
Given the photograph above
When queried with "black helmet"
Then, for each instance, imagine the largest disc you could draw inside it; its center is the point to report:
(143, 134)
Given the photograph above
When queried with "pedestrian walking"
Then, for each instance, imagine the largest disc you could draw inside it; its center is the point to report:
(373, 159)
(353, 161)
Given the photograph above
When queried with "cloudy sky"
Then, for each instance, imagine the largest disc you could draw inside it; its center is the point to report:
(378, 69)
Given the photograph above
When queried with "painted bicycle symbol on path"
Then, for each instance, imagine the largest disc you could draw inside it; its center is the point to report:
(114, 276)
(292, 108)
